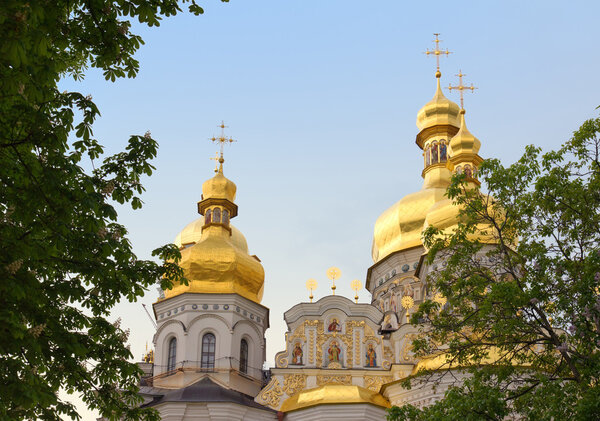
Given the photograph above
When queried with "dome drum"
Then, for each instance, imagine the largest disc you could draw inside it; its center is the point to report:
(203, 205)
(447, 130)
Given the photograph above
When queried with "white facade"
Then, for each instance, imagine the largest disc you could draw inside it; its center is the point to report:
(188, 317)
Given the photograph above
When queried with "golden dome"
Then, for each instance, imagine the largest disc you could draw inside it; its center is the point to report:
(216, 265)
(333, 394)
(219, 187)
(192, 233)
(439, 111)
(400, 227)
(464, 143)
(215, 259)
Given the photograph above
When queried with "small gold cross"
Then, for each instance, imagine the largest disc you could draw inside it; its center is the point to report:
(216, 159)
(437, 53)
(461, 88)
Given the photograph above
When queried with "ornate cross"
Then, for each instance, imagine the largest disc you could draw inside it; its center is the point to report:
(333, 273)
(437, 53)
(222, 140)
(461, 88)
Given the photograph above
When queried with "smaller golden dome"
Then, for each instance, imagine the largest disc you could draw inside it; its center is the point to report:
(464, 142)
(216, 265)
(439, 111)
(219, 187)
(333, 394)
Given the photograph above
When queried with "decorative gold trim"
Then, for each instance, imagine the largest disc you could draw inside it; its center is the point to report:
(271, 394)
(334, 379)
(445, 129)
(374, 383)
(293, 383)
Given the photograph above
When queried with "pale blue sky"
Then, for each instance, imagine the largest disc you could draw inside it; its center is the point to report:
(322, 97)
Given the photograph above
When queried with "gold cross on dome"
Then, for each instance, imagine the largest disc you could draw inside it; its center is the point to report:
(461, 88)
(437, 53)
(222, 140)
(216, 159)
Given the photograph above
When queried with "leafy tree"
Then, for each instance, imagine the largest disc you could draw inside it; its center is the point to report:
(523, 310)
(64, 259)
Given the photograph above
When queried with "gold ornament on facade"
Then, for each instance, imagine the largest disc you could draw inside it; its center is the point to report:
(334, 379)
(293, 383)
(357, 348)
(388, 357)
(321, 338)
(374, 383)
(298, 334)
(281, 358)
(405, 354)
(333, 273)
(311, 345)
(311, 285)
(407, 302)
(271, 394)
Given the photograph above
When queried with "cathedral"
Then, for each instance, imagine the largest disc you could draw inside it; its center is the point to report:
(343, 360)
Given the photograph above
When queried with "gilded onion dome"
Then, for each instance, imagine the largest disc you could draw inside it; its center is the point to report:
(400, 226)
(214, 255)
(440, 111)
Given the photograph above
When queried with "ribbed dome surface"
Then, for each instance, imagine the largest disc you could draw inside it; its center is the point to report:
(439, 111)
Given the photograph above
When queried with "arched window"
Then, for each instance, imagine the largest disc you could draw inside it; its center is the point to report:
(244, 356)
(428, 156)
(216, 215)
(207, 215)
(442, 150)
(172, 355)
(434, 153)
(208, 351)
(225, 216)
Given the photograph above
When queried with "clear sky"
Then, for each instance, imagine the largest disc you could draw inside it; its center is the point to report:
(322, 97)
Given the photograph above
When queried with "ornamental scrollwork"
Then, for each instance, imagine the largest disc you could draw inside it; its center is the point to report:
(271, 395)
(281, 359)
(335, 379)
(374, 383)
(293, 383)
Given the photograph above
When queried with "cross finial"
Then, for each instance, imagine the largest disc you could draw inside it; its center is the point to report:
(333, 273)
(222, 140)
(216, 159)
(437, 53)
(461, 88)
(311, 285)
